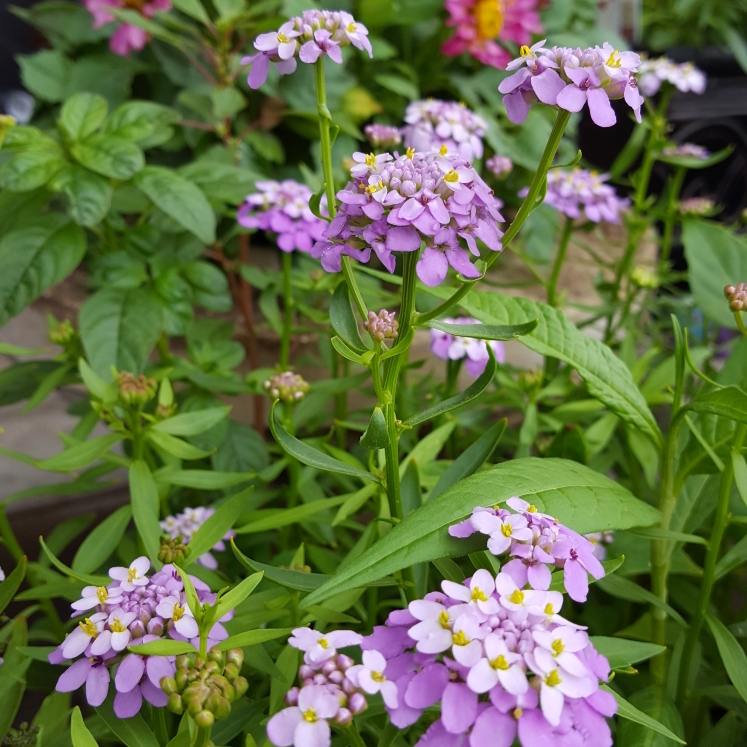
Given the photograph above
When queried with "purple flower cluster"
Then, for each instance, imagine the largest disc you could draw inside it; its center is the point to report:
(579, 190)
(690, 150)
(308, 37)
(653, 73)
(186, 524)
(570, 78)
(450, 347)
(283, 209)
(135, 608)
(434, 124)
(395, 204)
(499, 166)
(600, 540)
(382, 326)
(383, 136)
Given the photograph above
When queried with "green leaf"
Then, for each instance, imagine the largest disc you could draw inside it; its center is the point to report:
(233, 598)
(34, 259)
(80, 455)
(180, 200)
(227, 101)
(342, 348)
(164, 647)
(653, 699)
(175, 446)
(30, 168)
(575, 495)
(12, 583)
(132, 731)
(95, 384)
(192, 423)
(470, 460)
(145, 507)
(16, 351)
(139, 120)
(622, 653)
(732, 558)
(740, 474)
(202, 479)
(485, 331)
(428, 448)
(276, 518)
(473, 391)
(193, 9)
(120, 327)
(607, 377)
(47, 385)
(89, 195)
(45, 74)
(82, 114)
(85, 578)
(253, 637)
(109, 156)
(623, 588)
(79, 731)
(399, 85)
(308, 455)
(667, 534)
(99, 545)
(343, 319)
(376, 435)
(729, 402)
(692, 162)
(732, 655)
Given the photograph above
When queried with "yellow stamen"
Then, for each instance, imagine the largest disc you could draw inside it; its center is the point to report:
(614, 60)
(548, 609)
(410, 152)
(178, 612)
(525, 51)
(352, 27)
(102, 593)
(88, 627)
(132, 574)
(443, 619)
(117, 627)
(443, 150)
(478, 595)
(499, 663)
(517, 713)
(310, 716)
(506, 530)
(532, 509)
(459, 639)
(552, 679)
(557, 647)
(378, 677)
(324, 643)
(451, 177)
(517, 597)
(488, 18)
(282, 39)
(370, 159)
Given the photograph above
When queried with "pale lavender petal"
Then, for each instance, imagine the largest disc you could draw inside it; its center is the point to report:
(432, 267)
(575, 580)
(73, 677)
(281, 728)
(258, 73)
(547, 86)
(458, 708)
(495, 729)
(516, 107)
(427, 686)
(572, 99)
(129, 673)
(127, 704)
(402, 239)
(600, 108)
(97, 685)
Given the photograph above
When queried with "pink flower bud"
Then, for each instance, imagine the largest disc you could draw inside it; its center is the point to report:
(358, 703)
(343, 717)
(291, 697)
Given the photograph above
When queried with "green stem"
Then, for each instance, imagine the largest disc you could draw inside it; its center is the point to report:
(293, 465)
(341, 402)
(202, 736)
(537, 185)
(388, 735)
(666, 239)
(552, 286)
(160, 725)
(740, 323)
(356, 740)
(720, 522)
(657, 132)
(285, 340)
(9, 537)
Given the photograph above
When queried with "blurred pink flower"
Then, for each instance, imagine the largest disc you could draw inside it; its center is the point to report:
(480, 23)
(127, 37)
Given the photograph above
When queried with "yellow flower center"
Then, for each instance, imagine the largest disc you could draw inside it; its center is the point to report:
(102, 593)
(552, 679)
(614, 60)
(499, 663)
(352, 27)
(370, 159)
(310, 716)
(517, 597)
(324, 643)
(89, 628)
(532, 509)
(517, 713)
(489, 18)
(117, 627)
(443, 619)
(443, 150)
(282, 39)
(525, 51)
(460, 639)
(132, 574)
(451, 177)
(506, 529)
(548, 609)
(478, 595)
(178, 612)
(378, 677)
(557, 647)
(410, 152)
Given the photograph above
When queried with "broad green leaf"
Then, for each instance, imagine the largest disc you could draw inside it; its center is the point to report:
(119, 327)
(82, 114)
(471, 459)
(253, 637)
(12, 583)
(47, 385)
(610, 566)
(145, 506)
(667, 534)
(342, 348)
(13, 673)
(139, 120)
(607, 377)
(99, 545)
(308, 455)
(428, 448)
(343, 319)
(622, 653)
(36, 258)
(89, 194)
(164, 647)
(79, 731)
(202, 479)
(575, 495)
(729, 402)
(234, 597)
(45, 74)
(485, 331)
(109, 156)
(623, 588)
(80, 455)
(192, 423)
(132, 731)
(30, 168)
(180, 200)
(473, 391)
(732, 655)
(95, 384)
(287, 516)
(376, 435)
(654, 700)
(175, 446)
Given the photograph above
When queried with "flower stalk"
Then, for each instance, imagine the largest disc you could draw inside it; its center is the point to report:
(552, 285)
(288, 306)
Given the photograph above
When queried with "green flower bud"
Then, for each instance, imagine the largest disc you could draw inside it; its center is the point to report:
(235, 656)
(175, 704)
(240, 686)
(135, 390)
(181, 678)
(204, 719)
(194, 707)
(168, 685)
(231, 672)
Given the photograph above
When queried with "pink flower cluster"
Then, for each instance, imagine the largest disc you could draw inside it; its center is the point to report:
(449, 347)
(690, 150)
(480, 23)
(394, 204)
(283, 209)
(579, 190)
(571, 78)
(383, 136)
(127, 37)
(186, 524)
(499, 166)
(655, 72)
(434, 124)
(314, 34)
(135, 608)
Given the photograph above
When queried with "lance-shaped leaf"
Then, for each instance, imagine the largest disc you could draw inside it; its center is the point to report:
(308, 455)
(729, 402)
(473, 391)
(732, 655)
(575, 495)
(79, 733)
(164, 647)
(343, 319)
(346, 351)
(144, 501)
(485, 331)
(192, 423)
(629, 712)
(10, 586)
(622, 653)
(253, 637)
(132, 731)
(102, 541)
(691, 162)
(376, 435)
(80, 455)
(82, 577)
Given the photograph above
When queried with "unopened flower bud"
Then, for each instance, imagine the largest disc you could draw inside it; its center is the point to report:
(137, 629)
(328, 667)
(305, 672)
(358, 703)
(697, 206)
(344, 662)
(286, 386)
(644, 277)
(62, 334)
(235, 656)
(343, 717)
(155, 626)
(172, 550)
(135, 390)
(291, 697)
(175, 704)
(320, 679)
(382, 326)
(736, 296)
(240, 685)
(168, 685)
(204, 719)
(336, 677)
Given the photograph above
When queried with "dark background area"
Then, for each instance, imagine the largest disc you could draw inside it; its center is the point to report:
(16, 37)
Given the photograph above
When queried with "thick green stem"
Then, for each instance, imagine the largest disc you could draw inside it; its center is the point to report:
(288, 304)
(202, 736)
(671, 218)
(720, 522)
(552, 286)
(740, 323)
(537, 185)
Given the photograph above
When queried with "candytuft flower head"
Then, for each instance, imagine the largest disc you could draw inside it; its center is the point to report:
(569, 79)
(314, 34)
(658, 71)
(446, 126)
(448, 347)
(691, 150)
(286, 386)
(184, 526)
(382, 326)
(697, 206)
(396, 204)
(383, 136)
(499, 166)
(736, 295)
(127, 37)
(282, 208)
(480, 24)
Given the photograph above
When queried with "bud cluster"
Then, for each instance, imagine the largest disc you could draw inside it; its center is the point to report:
(206, 687)
(644, 277)
(697, 206)
(63, 333)
(135, 390)
(286, 386)
(382, 326)
(736, 295)
(173, 550)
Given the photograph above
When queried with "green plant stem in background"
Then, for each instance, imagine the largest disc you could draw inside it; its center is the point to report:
(356, 740)
(671, 217)
(657, 133)
(285, 340)
(160, 725)
(565, 238)
(202, 736)
(530, 202)
(9, 537)
(720, 522)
